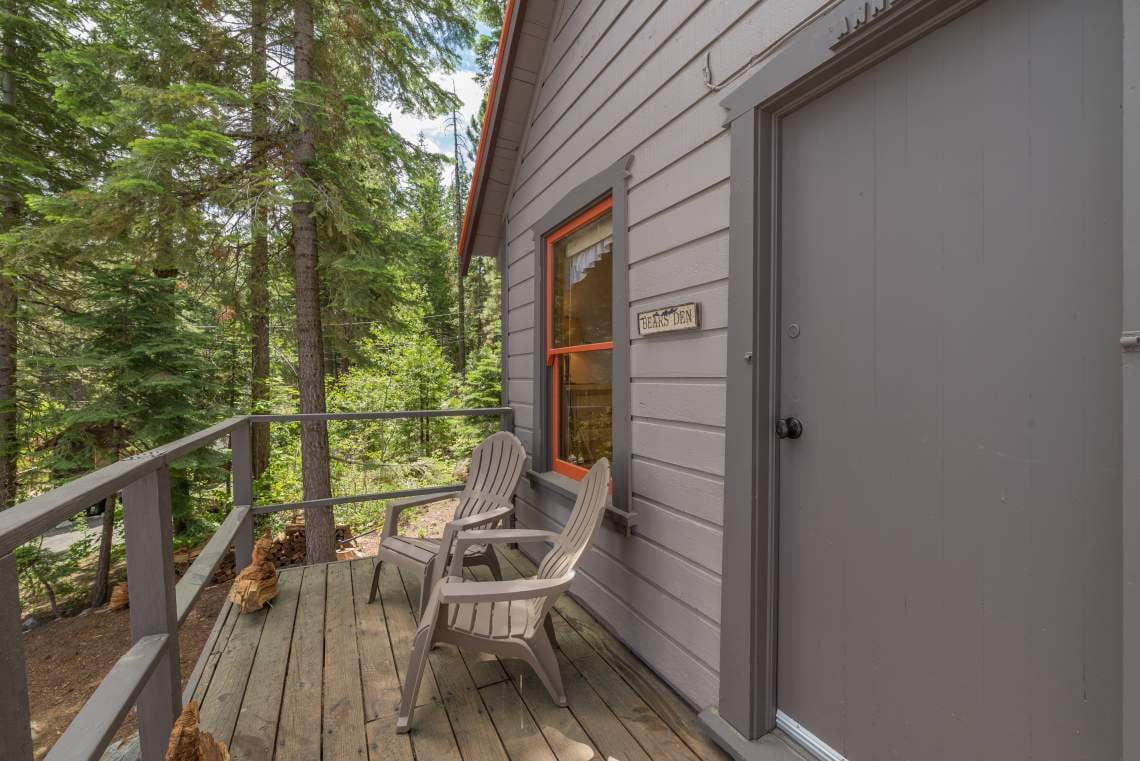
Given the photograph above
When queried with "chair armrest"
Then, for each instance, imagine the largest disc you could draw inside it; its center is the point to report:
(397, 506)
(480, 519)
(495, 536)
(457, 526)
(504, 536)
(457, 590)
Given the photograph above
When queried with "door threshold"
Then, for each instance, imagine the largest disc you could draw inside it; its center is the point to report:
(805, 739)
(774, 746)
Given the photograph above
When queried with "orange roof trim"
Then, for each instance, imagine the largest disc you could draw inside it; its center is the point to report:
(484, 142)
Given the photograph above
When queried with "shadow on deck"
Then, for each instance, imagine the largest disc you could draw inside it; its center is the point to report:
(318, 676)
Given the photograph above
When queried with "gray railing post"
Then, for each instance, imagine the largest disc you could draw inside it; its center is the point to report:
(507, 423)
(241, 450)
(15, 719)
(150, 583)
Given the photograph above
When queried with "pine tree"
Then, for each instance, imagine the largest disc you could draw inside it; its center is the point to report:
(149, 381)
(365, 53)
(150, 177)
(431, 254)
(41, 149)
(319, 528)
(259, 248)
(147, 370)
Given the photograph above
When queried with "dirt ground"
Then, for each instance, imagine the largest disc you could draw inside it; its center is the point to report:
(68, 658)
(428, 522)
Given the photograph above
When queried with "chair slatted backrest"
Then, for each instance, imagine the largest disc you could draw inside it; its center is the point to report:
(578, 534)
(496, 466)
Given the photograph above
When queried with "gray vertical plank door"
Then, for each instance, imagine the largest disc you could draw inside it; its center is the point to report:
(150, 582)
(950, 565)
(15, 721)
(1129, 86)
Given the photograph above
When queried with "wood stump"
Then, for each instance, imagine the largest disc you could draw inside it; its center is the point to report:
(120, 598)
(257, 582)
(189, 742)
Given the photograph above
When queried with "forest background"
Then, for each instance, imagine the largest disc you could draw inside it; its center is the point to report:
(207, 209)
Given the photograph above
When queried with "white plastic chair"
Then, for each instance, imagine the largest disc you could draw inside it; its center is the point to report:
(486, 499)
(510, 619)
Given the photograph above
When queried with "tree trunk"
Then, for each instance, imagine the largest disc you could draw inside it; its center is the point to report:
(319, 524)
(457, 191)
(462, 327)
(259, 256)
(9, 215)
(101, 588)
(48, 588)
(9, 439)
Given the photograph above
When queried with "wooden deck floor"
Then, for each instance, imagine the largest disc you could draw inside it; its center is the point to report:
(318, 677)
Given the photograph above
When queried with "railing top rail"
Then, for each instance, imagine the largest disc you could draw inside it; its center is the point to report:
(29, 519)
(168, 453)
(396, 415)
(91, 731)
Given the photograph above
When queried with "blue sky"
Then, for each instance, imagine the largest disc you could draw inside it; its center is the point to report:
(435, 132)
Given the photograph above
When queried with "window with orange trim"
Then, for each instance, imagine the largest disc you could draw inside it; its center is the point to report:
(579, 339)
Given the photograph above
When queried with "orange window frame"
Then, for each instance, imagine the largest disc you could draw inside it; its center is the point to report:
(592, 214)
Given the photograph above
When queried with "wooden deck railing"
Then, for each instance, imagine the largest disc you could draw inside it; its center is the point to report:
(147, 676)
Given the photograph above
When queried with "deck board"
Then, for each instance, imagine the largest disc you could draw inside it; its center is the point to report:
(318, 675)
(298, 735)
(227, 686)
(343, 721)
(666, 703)
(256, 732)
(472, 725)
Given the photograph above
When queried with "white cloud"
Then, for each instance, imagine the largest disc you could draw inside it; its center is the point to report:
(437, 135)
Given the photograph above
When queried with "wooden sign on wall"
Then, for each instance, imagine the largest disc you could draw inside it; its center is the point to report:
(669, 319)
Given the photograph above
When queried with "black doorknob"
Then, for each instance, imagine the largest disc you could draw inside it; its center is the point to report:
(789, 428)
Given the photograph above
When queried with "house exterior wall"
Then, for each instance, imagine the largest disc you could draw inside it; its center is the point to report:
(627, 78)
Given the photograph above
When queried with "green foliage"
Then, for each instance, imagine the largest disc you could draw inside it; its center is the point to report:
(401, 371)
(52, 574)
(131, 149)
(41, 145)
(483, 385)
(146, 374)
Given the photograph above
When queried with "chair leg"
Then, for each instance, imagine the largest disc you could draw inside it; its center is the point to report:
(416, 665)
(492, 561)
(545, 664)
(548, 625)
(375, 582)
(426, 585)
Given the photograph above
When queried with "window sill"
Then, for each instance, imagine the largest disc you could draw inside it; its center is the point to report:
(567, 488)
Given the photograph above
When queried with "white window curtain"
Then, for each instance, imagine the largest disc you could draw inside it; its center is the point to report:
(583, 260)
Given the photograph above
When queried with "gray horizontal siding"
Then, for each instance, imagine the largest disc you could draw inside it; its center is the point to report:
(682, 488)
(520, 342)
(700, 355)
(624, 77)
(621, 582)
(696, 263)
(686, 402)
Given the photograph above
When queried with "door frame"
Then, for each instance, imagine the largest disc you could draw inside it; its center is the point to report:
(838, 43)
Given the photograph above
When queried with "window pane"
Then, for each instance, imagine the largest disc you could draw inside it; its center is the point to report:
(585, 409)
(582, 290)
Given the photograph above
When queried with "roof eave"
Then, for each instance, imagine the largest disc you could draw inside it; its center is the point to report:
(495, 98)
